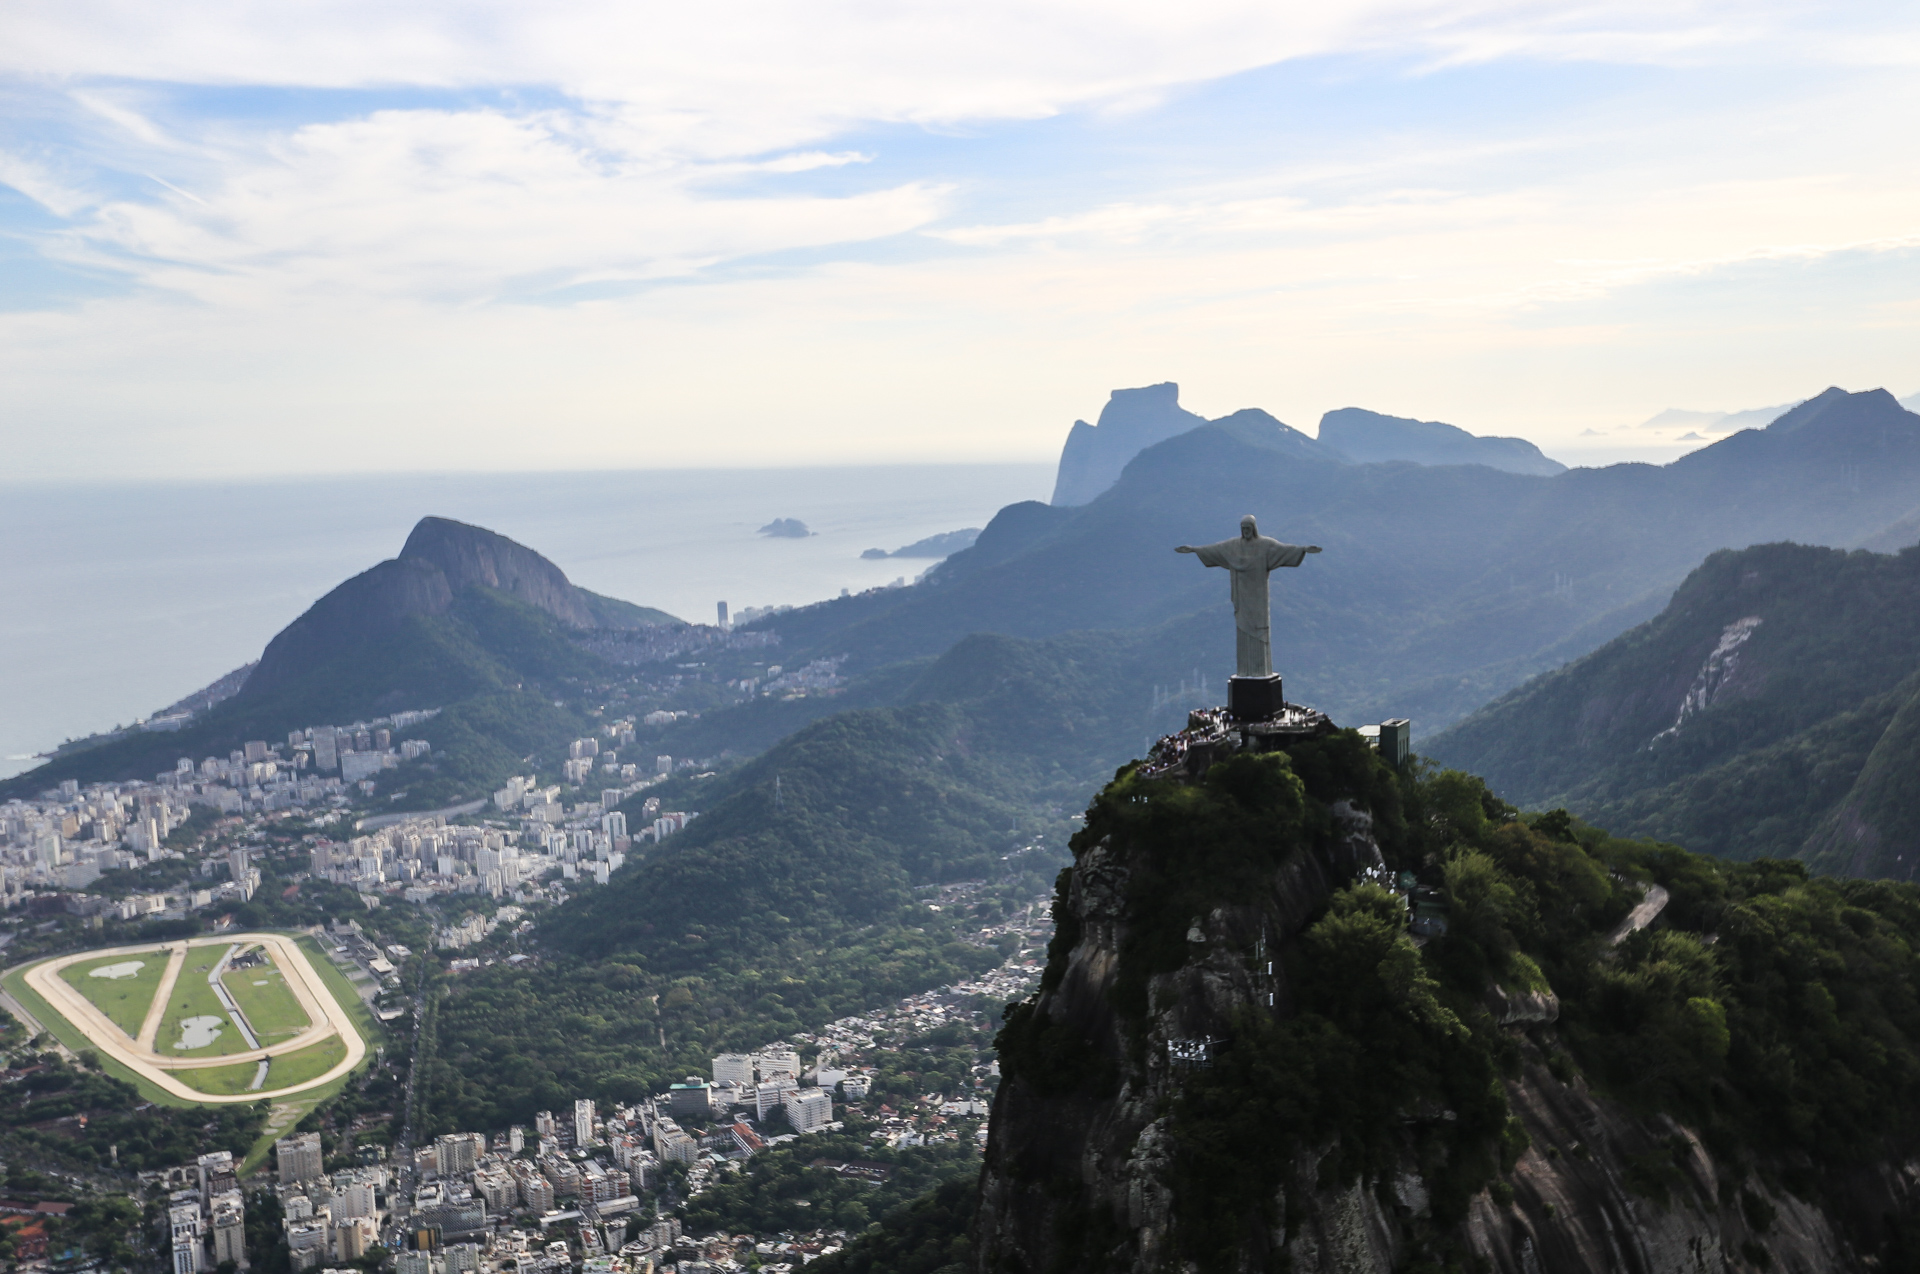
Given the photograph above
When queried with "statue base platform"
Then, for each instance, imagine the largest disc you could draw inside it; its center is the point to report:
(1254, 698)
(1213, 734)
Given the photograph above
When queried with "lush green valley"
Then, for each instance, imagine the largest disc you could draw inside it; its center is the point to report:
(790, 902)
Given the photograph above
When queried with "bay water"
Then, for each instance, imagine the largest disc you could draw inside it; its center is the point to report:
(116, 600)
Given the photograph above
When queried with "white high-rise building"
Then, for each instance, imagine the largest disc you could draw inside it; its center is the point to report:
(456, 1154)
(354, 1199)
(733, 1068)
(583, 1122)
(408, 1261)
(185, 1220)
(230, 1230)
(772, 1094)
(777, 1061)
(809, 1110)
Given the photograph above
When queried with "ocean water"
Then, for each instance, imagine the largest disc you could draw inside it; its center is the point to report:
(118, 600)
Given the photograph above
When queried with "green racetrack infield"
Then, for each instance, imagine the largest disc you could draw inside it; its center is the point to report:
(272, 1010)
(193, 997)
(237, 1078)
(124, 1000)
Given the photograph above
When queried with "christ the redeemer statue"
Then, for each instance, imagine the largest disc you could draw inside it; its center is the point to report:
(1250, 557)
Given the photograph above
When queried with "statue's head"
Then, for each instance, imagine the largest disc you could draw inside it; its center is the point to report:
(1247, 529)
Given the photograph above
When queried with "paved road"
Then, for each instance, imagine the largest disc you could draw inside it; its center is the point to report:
(33, 1024)
(1651, 905)
(388, 820)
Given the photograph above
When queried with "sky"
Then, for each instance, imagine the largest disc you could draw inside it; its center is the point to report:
(245, 240)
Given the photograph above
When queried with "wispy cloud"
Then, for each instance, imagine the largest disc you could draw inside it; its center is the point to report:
(725, 210)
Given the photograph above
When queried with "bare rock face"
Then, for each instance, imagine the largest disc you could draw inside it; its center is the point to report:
(470, 555)
(1132, 421)
(1602, 1189)
(1511, 1008)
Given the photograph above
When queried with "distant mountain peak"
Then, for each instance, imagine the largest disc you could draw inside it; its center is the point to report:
(440, 559)
(1834, 404)
(1369, 437)
(1132, 421)
(474, 555)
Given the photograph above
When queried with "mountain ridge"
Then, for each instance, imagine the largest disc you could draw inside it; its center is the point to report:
(1369, 437)
(1766, 711)
(1441, 588)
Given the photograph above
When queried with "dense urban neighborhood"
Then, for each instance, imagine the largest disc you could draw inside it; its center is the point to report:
(763, 1159)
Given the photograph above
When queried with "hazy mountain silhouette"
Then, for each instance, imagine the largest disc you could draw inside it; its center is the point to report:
(1136, 419)
(1132, 421)
(1367, 437)
(1441, 586)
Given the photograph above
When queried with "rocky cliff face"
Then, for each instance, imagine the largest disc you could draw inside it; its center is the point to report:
(469, 555)
(1132, 421)
(1237, 1062)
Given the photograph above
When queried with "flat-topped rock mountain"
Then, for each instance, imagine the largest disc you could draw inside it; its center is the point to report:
(1135, 420)
(1132, 421)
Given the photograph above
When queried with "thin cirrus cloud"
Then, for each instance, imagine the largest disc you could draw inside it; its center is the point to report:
(455, 206)
(821, 211)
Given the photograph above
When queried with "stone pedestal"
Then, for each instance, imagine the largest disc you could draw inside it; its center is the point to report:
(1254, 698)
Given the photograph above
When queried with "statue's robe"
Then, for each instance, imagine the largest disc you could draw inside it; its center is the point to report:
(1250, 560)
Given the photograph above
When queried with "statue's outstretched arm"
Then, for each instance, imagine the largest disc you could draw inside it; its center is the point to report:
(1313, 548)
(1188, 548)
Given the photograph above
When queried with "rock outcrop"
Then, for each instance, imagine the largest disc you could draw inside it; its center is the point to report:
(1091, 1162)
(1132, 421)
(1118, 1150)
(440, 559)
(469, 555)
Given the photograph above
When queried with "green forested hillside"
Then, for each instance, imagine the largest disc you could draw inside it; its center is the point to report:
(1771, 1013)
(779, 908)
(1737, 722)
(491, 662)
(790, 900)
